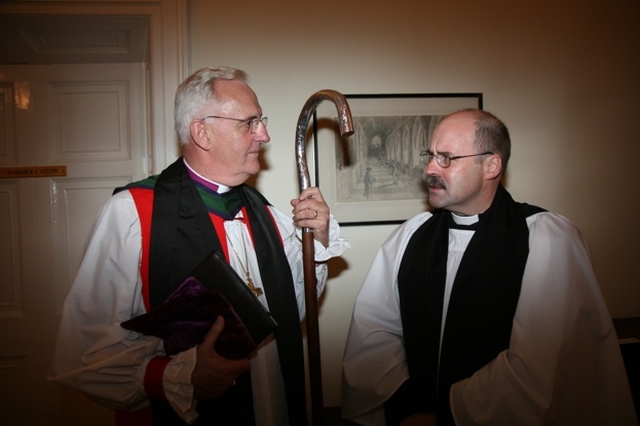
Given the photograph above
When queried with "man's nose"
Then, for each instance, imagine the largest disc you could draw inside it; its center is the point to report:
(431, 166)
(262, 135)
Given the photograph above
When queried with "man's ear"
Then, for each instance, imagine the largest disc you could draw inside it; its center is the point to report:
(493, 167)
(200, 134)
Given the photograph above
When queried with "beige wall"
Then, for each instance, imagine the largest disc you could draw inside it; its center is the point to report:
(563, 75)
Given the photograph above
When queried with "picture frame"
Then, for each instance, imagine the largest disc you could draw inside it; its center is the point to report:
(374, 177)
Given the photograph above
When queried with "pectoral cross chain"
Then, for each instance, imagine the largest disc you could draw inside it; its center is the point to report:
(255, 290)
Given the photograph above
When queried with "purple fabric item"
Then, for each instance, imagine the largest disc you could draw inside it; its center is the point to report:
(186, 316)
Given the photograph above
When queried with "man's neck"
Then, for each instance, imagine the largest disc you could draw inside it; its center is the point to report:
(214, 186)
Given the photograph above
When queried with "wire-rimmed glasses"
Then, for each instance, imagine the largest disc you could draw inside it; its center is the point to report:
(246, 126)
(445, 160)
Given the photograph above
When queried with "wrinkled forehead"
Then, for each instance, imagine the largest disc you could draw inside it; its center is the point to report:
(453, 135)
(235, 96)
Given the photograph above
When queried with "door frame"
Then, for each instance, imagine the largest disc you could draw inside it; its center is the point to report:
(168, 59)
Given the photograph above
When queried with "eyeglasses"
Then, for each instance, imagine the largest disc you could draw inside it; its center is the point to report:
(445, 160)
(245, 126)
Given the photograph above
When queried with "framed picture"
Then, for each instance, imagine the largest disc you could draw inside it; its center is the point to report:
(375, 176)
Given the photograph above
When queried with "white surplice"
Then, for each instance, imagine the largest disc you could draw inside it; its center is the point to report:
(107, 363)
(563, 365)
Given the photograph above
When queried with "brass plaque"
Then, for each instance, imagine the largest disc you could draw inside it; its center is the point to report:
(32, 172)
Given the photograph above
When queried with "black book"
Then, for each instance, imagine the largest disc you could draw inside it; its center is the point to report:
(213, 288)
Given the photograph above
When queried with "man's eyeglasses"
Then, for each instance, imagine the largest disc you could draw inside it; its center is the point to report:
(445, 160)
(245, 126)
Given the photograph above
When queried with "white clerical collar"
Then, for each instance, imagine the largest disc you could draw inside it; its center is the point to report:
(217, 187)
(465, 220)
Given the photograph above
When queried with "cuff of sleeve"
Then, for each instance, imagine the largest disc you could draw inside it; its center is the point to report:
(177, 385)
(337, 244)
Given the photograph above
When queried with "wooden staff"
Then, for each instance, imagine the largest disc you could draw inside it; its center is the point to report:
(310, 284)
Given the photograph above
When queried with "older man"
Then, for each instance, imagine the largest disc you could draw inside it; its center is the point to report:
(152, 233)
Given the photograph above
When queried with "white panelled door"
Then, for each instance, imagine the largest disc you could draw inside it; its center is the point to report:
(92, 119)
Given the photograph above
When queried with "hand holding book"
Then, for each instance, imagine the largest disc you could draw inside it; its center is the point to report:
(213, 288)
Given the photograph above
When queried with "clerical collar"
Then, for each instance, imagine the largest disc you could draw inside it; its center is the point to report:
(464, 222)
(216, 187)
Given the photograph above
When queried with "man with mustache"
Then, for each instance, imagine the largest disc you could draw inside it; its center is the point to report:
(484, 311)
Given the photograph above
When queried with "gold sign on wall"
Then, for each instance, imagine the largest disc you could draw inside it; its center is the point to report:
(32, 172)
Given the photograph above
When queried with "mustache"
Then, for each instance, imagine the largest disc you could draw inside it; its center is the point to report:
(434, 181)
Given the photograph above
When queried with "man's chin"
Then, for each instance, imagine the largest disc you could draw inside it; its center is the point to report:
(253, 167)
(435, 201)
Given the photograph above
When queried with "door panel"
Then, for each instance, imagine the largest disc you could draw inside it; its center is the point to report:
(93, 120)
